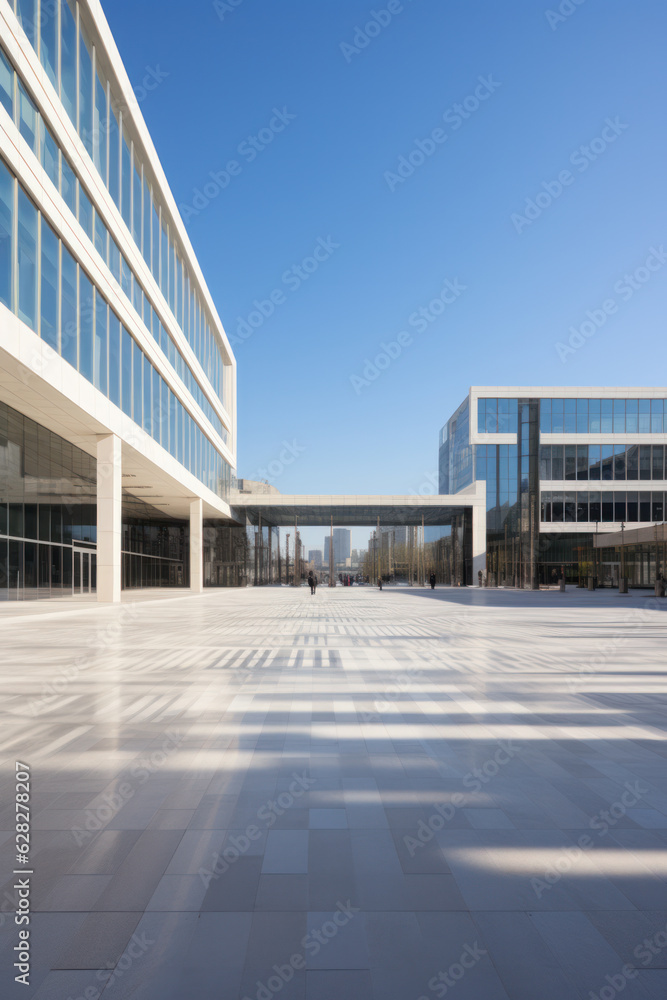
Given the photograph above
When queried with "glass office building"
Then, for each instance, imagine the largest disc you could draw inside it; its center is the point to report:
(559, 466)
(111, 348)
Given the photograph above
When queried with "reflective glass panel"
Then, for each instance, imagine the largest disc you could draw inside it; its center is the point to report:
(6, 234)
(27, 260)
(114, 358)
(101, 354)
(85, 90)
(68, 299)
(68, 57)
(49, 286)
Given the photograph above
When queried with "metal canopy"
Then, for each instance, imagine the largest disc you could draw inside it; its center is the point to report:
(319, 511)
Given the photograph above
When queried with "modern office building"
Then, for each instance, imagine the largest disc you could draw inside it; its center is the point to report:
(560, 466)
(117, 382)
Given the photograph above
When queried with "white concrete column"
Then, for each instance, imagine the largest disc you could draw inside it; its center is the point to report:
(478, 542)
(197, 546)
(109, 518)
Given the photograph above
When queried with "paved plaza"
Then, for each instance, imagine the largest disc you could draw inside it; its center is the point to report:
(360, 795)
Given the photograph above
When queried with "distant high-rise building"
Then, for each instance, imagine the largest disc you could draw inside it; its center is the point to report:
(315, 557)
(342, 540)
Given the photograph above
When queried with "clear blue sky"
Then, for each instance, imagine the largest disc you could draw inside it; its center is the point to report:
(324, 176)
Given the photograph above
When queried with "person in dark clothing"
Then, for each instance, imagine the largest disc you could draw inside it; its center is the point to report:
(380, 582)
(312, 582)
(432, 581)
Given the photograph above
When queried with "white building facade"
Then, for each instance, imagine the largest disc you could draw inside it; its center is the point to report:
(117, 381)
(561, 464)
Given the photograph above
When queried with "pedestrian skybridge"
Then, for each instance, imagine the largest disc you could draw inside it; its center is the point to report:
(465, 511)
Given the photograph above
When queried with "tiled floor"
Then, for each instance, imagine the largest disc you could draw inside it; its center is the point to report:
(383, 796)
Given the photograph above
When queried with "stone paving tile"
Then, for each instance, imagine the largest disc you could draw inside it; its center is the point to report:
(447, 821)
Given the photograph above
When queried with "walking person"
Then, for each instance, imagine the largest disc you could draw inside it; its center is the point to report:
(432, 581)
(312, 582)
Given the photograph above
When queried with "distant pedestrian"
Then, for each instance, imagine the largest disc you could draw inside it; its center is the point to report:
(380, 582)
(432, 581)
(312, 582)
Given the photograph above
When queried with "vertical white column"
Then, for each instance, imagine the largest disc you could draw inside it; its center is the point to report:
(196, 546)
(478, 542)
(109, 518)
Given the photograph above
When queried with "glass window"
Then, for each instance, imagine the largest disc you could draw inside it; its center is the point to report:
(633, 506)
(172, 277)
(125, 277)
(644, 506)
(100, 126)
(644, 416)
(27, 15)
(658, 509)
(155, 409)
(6, 85)
(545, 416)
(557, 471)
(49, 154)
(582, 506)
(100, 236)
(594, 416)
(114, 157)
(631, 416)
(607, 506)
(594, 507)
(126, 359)
(126, 180)
(570, 506)
(137, 382)
(570, 461)
(100, 361)
(594, 461)
(68, 184)
(570, 416)
(164, 413)
(619, 416)
(172, 423)
(632, 459)
(85, 212)
(645, 461)
(164, 261)
(86, 317)
(155, 241)
(114, 358)
(27, 260)
(607, 460)
(545, 461)
(6, 234)
(68, 57)
(656, 416)
(619, 461)
(658, 462)
(545, 500)
(606, 416)
(114, 258)
(146, 229)
(49, 286)
(27, 117)
(582, 461)
(148, 392)
(557, 416)
(85, 90)
(136, 204)
(619, 507)
(48, 36)
(68, 297)
(582, 416)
